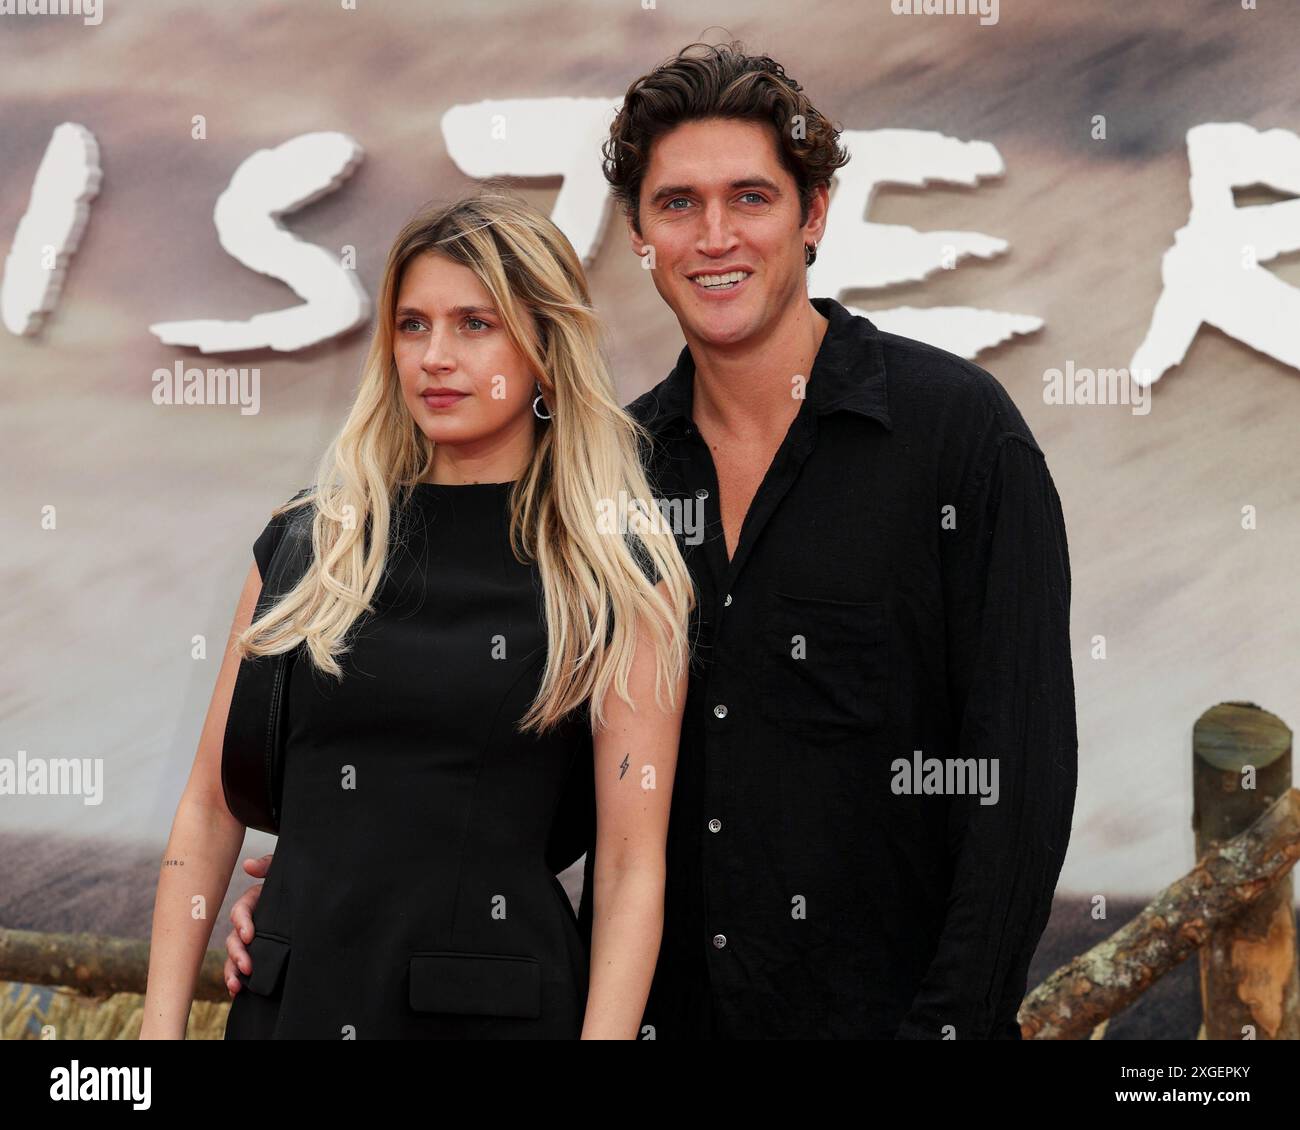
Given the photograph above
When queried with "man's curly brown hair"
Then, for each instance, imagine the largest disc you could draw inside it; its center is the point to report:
(723, 82)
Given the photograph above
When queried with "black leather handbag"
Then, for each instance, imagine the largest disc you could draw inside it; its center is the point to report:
(252, 753)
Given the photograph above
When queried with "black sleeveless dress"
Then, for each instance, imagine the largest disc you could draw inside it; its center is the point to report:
(409, 896)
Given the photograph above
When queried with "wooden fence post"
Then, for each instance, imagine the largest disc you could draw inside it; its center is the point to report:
(1250, 982)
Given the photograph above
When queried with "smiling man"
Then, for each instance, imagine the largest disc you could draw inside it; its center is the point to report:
(884, 578)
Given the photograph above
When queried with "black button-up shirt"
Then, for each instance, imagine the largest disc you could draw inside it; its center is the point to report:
(898, 600)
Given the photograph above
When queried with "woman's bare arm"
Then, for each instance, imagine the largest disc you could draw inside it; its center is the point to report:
(635, 761)
(200, 857)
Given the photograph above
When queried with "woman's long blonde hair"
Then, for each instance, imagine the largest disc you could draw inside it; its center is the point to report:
(585, 461)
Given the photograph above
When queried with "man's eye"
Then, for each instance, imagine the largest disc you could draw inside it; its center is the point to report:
(673, 201)
(760, 198)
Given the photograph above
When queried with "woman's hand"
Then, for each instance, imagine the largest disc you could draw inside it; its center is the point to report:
(241, 916)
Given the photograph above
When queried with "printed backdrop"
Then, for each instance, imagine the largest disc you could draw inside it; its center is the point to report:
(1028, 174)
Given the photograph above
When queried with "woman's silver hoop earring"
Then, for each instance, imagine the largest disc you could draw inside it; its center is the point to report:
(537, 400)
(809, 254)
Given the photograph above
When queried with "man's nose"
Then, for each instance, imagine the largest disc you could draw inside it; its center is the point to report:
(717, 233)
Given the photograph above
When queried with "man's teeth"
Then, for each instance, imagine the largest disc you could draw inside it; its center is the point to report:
(712, 281)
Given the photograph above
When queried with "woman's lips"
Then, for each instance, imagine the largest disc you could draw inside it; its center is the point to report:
(442, 399)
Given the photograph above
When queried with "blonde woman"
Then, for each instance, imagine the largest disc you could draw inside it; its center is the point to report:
(470, 623)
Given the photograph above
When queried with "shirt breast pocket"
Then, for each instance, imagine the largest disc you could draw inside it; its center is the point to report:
(824, 669)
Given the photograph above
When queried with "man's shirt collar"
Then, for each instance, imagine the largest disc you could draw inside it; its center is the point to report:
(848, 373)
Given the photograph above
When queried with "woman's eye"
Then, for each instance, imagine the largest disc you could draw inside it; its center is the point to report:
(406, 322)
(479, 321)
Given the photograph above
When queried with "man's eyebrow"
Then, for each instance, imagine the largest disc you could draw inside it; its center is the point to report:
(671, 190)
(416, 312)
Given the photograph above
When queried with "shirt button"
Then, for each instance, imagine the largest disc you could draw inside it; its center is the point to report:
(703, 492)
(719, 940)
(715, 825)
(727, 603)
(720, 710)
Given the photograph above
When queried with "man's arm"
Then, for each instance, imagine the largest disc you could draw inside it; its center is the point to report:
(1007, 594)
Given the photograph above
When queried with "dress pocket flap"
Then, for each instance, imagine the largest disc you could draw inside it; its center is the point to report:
(269, 955)
(478, 984)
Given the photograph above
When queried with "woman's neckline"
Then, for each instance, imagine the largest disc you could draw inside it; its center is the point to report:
(463, 486)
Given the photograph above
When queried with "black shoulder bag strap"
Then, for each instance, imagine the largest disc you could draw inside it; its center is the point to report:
(252, 754)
